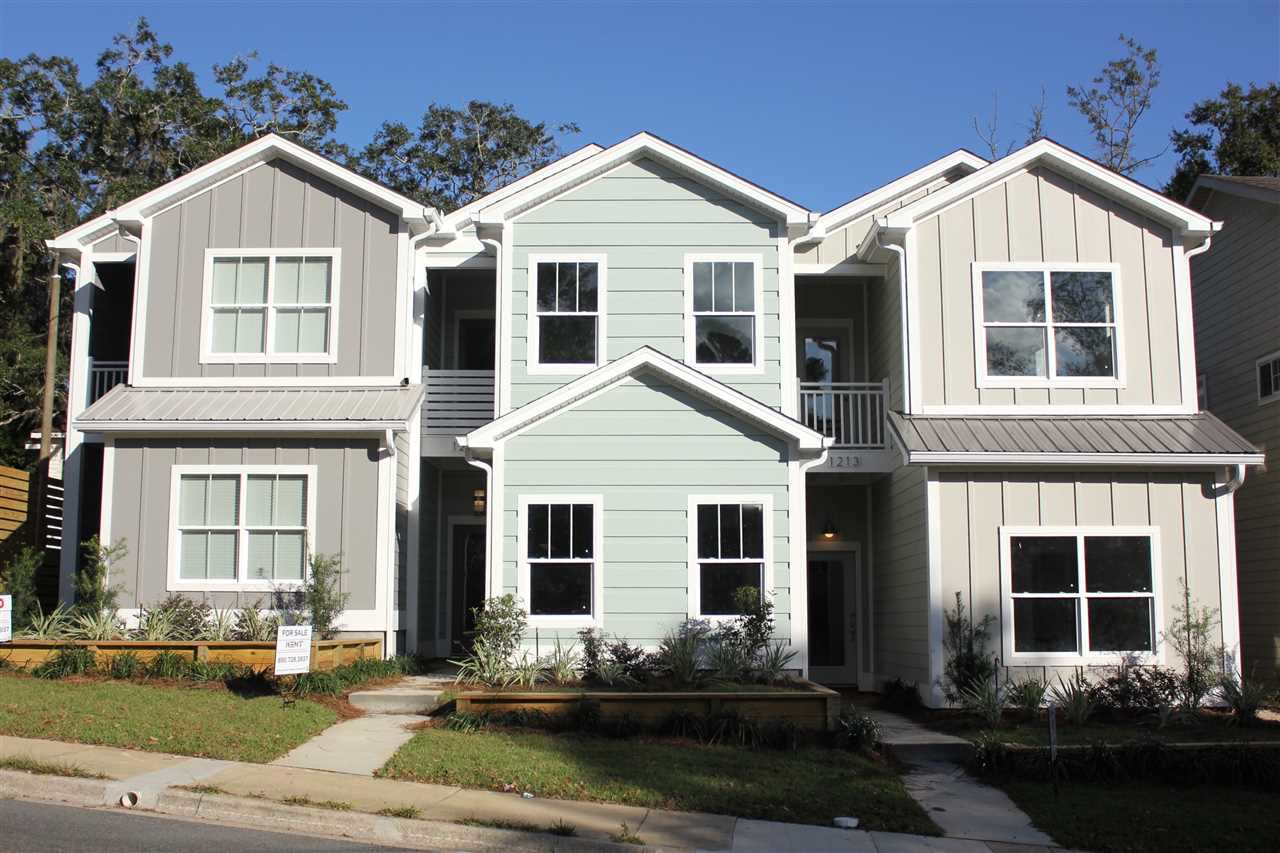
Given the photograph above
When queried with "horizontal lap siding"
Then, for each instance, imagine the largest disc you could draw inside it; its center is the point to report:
(645, 468)
(345, 503)
(644, 219)
(1236, 295)
(974, 506)
(1042, 216)
(274, 205)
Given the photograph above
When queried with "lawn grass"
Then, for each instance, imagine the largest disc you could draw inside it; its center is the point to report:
(807, 786)
(1205, 727)
(210, 722)
(1141, 817)
(47, 768)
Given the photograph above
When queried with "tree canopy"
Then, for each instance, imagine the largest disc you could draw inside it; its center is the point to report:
(1236, 133)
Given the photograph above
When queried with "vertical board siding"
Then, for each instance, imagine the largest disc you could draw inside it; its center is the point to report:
(346, 484)
(901, 577)
(975, 505)
(273, 205)
(1036, 216)
(645, 447)
(645, 218)
(1237, 300)
(884, 330)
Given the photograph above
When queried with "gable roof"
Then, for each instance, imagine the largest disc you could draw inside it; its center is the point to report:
(1065, 161)
(1257, 187)
(645, 145)
(645, 360)
(261, 150)
(918, 179)
(464, 215)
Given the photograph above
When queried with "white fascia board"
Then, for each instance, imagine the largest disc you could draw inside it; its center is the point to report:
(1073, 165)
(638, 146)
(464, 215)
(645, 359)
(837, 218)
(279, 427)
(1127, 460)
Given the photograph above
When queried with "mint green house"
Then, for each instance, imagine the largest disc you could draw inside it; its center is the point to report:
(631, 382)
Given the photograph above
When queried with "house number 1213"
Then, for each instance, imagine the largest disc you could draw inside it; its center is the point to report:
(844, 460)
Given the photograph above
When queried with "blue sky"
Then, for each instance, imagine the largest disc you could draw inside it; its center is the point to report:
(817, 101)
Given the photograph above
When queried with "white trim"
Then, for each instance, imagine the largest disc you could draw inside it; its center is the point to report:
(141, 293)
(914, 344)
(116, 257)
(523, 566)
(1049, 325)
(533, 366)
(270, 308)
(936, 598)
(757, 314)
(841, 268)
(820, 548)
(176, 583)
(1073, 165)
(154, 427)
(496, 523)
(787, 321)
(837, 218)
(78, 386)
(767, 576)
(413, 547)
(844, 325)
(371, 382)
(404, 304)
(567, 396)
(1162, 460)
(1186, 324)
(1084, 657)
(451, 523)
(1033, 410)
(1274, 396)
(107, 508)
(463, 215)
(468, 314)
(506, 319)
(1228, 590)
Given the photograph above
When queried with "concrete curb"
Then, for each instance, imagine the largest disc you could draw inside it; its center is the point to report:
(303, 820)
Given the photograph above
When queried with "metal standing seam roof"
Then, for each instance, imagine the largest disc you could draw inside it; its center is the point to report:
(125, 406)
(1187, 436)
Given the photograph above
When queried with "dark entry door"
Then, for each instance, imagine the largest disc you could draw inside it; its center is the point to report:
(833, 652)
(467, 572)
(475, 343)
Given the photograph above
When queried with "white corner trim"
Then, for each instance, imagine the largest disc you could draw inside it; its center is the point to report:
(1084, 657)
(935, 596)
(866, 203)
(695, 574)
(1228, 586)
(533, 366)
(523, 566)
(757, 314)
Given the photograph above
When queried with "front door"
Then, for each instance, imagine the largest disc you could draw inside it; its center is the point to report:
(466, 568)
(833, 622)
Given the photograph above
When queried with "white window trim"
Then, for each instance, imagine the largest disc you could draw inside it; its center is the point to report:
(1049, 380)
(1257, 384)
(176, 583)
(690, 324)
(596, 617)
(695, 575)
(532, 365)
(269, 355)
(1084, 657)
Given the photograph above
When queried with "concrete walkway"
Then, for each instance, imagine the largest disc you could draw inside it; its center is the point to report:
(359, 746)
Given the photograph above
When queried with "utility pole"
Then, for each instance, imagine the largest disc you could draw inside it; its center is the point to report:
(50, 364)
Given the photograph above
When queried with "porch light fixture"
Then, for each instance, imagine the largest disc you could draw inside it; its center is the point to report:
(829, 530)
(477, 501)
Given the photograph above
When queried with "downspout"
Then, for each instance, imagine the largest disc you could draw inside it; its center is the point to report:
(1235, 481)
(902, 291)
(499, 334)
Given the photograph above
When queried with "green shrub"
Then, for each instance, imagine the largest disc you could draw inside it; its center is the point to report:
(1192, 635)
(205, 671)
(252, 624)
(220, 627)
(1133, 690)
(125, 665)
(170, 666)
(93, 589)
(54, 626)
(70, 660)
(730, 661)
(18, 579)
(985, 700)
(325, 683)
(500, 625)
(465, 722)
(103, 625)
(856, 730)
(322, 594)
(612, 662)
(1245, 696)
(968, 664)
(680, 652)
(1075, 698)
(561, 666)
(156, 626)
(901, 696)
(1027, 695)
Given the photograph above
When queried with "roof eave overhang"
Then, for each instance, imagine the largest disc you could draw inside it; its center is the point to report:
(837, 218)
(1102, 460)
(277, 427)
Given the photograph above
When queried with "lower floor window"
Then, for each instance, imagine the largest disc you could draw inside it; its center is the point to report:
(1082, 592)
(560, 549)
(730, 541)
(242, 525)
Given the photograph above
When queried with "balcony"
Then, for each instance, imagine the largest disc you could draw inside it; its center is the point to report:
(852, 414)
(456, 402)
(105, 375)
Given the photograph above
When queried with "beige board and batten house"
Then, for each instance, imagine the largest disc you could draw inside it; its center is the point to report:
(633, 382)
(1236, 290)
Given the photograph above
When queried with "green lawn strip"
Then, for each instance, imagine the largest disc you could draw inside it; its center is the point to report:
(808, 786)
(47, 768)
(208, 722)
(1141, 817)
(1205, 728)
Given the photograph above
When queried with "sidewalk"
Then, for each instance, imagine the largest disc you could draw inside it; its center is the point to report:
(254, 795)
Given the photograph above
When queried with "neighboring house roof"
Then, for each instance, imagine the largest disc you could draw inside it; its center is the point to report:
(1257, 187)
(1064, 161)
(129, 409)
(261, 150)
(1199, 439)
(640, 146)
(645, 360)
(837, 218)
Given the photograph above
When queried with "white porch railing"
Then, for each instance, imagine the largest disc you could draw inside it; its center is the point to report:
(457, 401)
(852, 413)
(105, 375)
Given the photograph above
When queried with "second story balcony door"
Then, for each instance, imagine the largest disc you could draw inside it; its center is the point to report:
(474, 339)
(852, 413)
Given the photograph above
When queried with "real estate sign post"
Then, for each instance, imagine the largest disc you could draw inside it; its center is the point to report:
(293, 649)
(6, 618)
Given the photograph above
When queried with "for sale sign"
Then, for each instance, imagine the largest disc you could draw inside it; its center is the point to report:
(293, 649)
(6, 618)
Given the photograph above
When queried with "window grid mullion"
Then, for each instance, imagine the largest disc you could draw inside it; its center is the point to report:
(1050, 344)
(1082, 606)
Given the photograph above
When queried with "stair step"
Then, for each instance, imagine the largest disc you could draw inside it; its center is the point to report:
(396, 701)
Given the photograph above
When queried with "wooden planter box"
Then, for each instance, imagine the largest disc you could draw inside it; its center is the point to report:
(325, 654)
(810, 706)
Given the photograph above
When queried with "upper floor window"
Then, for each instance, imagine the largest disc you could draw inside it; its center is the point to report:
(1269, 378)
(1049, 325)
(723, 311)
(559, 571)
(238, 526)
(566, 325)
(270, 305)
(729, 540)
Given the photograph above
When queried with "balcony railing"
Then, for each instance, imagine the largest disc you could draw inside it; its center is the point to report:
(852, 413)
(457, 401)
(105, 375)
